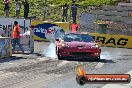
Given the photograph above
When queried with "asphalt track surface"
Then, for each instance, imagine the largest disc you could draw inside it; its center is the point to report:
(43, 70)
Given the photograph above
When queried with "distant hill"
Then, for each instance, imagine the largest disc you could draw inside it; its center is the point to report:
(54, 10)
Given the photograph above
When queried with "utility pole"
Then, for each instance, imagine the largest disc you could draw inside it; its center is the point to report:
(45, 8)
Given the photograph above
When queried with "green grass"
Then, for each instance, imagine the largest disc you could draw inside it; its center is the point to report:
(53, 12)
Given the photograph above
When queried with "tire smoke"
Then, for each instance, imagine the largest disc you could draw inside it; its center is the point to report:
(50, 51)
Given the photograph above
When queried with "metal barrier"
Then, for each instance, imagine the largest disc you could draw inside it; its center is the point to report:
(5, 47)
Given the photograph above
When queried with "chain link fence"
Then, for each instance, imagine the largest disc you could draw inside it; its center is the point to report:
(116, 28)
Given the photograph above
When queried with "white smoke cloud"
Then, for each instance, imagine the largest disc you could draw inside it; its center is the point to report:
(26, 33)
(50, 51)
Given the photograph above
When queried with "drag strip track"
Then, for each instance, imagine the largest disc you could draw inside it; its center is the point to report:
(25, 73)
(32, 71)
(36, 71)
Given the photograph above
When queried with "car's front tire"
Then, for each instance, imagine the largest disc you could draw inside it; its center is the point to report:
(97, 59)
(58, 55)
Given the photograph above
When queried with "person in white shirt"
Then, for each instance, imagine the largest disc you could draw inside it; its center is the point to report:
(17, 9)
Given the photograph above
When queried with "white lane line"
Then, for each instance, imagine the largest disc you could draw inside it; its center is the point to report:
(129, 85)
(99, 65)
(107, 57)
(46, 58)
(63, 63)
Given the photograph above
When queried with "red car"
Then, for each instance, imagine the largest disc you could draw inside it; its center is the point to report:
(77, 45)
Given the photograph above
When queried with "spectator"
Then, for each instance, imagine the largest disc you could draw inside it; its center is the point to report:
(26, 8)
(7, 7)
(65, 10)
(74, 11)
(16, 36)
(17, 9)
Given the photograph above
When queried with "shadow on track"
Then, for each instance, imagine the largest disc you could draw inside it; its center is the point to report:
(107, 61)
(12, 58)
(37, 54)
(90, 60)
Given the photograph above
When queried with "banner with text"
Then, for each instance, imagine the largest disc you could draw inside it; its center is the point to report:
(49, 30)
(113, 40)
(6, 30)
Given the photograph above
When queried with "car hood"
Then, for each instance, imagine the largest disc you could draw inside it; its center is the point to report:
(76, 44)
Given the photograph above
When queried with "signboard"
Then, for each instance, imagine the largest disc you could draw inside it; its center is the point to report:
(49, 30)
(6, 28)
(113, 40)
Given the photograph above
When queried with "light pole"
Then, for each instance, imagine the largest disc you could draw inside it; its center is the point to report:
(45, 8)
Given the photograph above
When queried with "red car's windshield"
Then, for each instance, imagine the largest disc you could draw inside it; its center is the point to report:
(77, 37)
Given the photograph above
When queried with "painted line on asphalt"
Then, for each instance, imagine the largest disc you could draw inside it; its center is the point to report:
(129, 85)
(45, 58)
(63, 63)
(99, 65)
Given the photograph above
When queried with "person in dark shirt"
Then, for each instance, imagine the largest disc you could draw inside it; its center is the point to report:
(26, 8)
(7, 7)
(65, 10)
(74, 11)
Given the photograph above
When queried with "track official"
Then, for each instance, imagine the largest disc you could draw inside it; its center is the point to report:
(16, 36)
